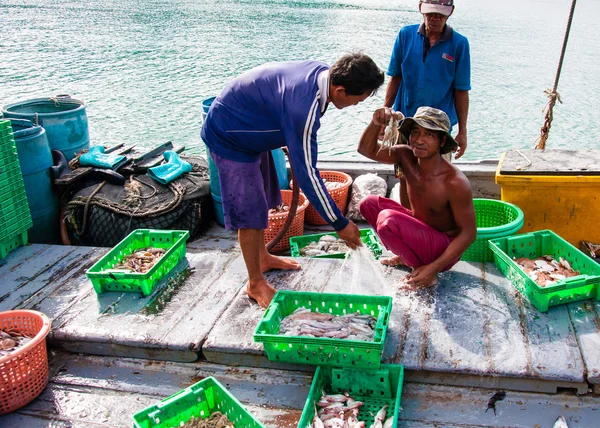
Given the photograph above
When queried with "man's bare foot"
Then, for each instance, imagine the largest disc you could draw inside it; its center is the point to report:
(260, 291)
(393, 261)
(274, 262)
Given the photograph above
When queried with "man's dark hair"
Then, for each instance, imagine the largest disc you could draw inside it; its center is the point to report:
(357, 73)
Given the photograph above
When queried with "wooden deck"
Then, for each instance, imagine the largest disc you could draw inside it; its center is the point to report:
(473, 330)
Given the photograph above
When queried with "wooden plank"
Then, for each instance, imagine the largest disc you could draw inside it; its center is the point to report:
(103, 391)
(232, 337)
(40, 271)
(172, 323)
(442, 406)
(551, 162)
(472, 323)
(586, 322)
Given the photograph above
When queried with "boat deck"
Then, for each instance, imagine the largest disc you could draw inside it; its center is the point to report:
(472, 331)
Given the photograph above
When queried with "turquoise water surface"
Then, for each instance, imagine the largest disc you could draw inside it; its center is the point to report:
(143, 67)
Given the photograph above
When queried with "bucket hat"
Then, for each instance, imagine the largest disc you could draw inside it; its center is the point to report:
(443, 7)
(433, 119)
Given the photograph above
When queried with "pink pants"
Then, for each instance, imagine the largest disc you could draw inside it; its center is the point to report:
(417, 243)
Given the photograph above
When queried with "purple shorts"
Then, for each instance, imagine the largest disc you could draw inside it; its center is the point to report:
(248, 191)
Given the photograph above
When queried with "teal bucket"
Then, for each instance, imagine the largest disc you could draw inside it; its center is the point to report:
(63, 118)
(215, 187)
(35, 158)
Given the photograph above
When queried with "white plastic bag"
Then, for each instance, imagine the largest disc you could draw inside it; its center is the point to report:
(363, 186)
(395, 193)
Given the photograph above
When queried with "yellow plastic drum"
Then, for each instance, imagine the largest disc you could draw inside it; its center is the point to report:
(567, 204)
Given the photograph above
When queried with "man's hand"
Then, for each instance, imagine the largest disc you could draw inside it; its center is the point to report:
(351, 235)
(461, 140)
(382, 116)
(423, 276)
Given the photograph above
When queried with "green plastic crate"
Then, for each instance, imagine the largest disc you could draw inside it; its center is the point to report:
(368, 237)
(172, 240)
(9, 244)
(199, 400)
(375, 388)
(324, 351)
(14, 216)
(495, 219)
(5, 124)
(538, 244)
(10, 173)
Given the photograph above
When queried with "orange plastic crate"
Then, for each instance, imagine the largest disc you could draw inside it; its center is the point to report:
(339, 196)
(276, 221)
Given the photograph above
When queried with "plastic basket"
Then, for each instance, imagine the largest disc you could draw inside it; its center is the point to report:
(339, 195)
(14, 217)
(495, 219)
(13, 242)
(277, 220)
(171, 240)
(199, 400)
(24, 373)
(368, 237)
(375, 388)
(324, 351)
(538, 244)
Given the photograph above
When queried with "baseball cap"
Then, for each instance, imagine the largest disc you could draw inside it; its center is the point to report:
(443, 7)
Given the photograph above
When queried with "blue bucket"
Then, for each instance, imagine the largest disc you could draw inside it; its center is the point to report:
(218, 206)
(35, 158)
(63, 118)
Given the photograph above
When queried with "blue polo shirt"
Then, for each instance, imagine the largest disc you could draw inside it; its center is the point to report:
(430, 74)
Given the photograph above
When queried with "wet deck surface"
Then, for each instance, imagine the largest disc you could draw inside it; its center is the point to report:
(89, 391)
(472, 330)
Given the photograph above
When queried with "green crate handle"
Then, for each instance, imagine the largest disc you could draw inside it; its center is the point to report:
(578, 281)
(271, 310)
(155, 415)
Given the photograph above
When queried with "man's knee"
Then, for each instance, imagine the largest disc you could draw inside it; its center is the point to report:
(367, 204)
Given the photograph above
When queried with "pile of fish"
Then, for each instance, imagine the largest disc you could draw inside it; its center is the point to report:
(303, 322)
(546, 270)
(330, 185)
(216, 420)
(327, 244)
(140, 261)
(11, 340)
(283, 208)
(341, 411)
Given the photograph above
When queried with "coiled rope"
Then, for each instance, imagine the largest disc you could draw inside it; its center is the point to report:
(552, 94)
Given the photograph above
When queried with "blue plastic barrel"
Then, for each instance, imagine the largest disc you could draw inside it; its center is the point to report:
(215, 187)
(36, 159)
(63, 118)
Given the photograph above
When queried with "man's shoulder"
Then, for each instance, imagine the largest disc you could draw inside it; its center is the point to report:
(457, 179)
(410, 29)
(459, 38)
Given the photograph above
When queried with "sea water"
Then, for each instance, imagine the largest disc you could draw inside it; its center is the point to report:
(143, 67)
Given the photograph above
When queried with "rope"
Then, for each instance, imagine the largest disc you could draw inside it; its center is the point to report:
(81, 231)
(552, 93)
(177, 189)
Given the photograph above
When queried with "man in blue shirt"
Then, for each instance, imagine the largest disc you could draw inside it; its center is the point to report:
(431, 66)
(271, 106)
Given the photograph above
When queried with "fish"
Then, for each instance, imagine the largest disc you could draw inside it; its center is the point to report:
(498, 396)
(140, 261)
(303, 322)
(380, 417)
(317, 422)
(561, 422)
(389, 423)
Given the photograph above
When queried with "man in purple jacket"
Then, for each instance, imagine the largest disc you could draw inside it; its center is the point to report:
(271, 106)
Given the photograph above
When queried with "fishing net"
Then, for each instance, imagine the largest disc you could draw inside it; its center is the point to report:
(103, 214)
